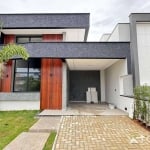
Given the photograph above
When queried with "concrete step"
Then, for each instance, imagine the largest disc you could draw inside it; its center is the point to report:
(28, 141)
(82, 111)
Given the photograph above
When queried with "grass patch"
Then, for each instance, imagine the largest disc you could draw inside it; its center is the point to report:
(12, 123)
(50, 141)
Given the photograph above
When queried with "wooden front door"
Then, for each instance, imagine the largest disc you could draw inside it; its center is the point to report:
(51, 84)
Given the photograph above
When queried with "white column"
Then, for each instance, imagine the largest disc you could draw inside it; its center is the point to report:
(102, 85)
(64, 86)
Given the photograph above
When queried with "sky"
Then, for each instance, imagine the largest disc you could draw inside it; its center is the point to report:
(104, 14)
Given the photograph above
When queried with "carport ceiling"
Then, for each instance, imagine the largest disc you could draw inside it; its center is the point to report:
(90, 64)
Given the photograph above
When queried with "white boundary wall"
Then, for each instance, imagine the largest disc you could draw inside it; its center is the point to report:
(112, 80)
(19, 101)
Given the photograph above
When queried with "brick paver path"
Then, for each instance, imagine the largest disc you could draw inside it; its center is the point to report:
(101, 133)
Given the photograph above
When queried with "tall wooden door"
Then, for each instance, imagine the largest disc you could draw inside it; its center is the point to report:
(51, 84)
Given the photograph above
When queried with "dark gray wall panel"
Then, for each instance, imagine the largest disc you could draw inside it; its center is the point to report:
(78, 20)
(79, 49)
(91, 50)
(99, 50)
(79, 83)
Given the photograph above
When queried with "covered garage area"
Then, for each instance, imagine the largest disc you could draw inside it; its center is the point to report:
(84, 74)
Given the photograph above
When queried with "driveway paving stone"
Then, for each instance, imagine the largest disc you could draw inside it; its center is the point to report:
(101, 133)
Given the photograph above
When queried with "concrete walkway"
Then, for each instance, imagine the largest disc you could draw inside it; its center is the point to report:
(101, 133)
(28, 141)
(37, 136)
(46, 124)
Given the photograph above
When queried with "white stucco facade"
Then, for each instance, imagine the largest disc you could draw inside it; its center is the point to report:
(112, 84)
(75, 35)
(124, 32)
(114, 36)
(143, 47)
(19, 105)
(104, 37)
(120, 33)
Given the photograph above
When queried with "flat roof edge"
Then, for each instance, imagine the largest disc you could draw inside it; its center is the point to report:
(44, 13)
(138, 13)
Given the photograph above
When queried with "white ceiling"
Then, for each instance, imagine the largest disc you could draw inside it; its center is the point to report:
(90, 64)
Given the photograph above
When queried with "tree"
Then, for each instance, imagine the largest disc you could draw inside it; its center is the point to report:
(9, 51)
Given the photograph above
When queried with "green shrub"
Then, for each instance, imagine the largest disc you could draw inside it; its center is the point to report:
(142, 100)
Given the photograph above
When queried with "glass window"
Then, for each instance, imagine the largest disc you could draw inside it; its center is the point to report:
(34, 80)
(36, 39)
(39, 38)
(27, 75)
(21, 66)
(28, 39)
(23, 40)
(20, 82)
(34, 66)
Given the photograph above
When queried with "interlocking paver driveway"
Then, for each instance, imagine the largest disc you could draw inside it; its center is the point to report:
(101, 133)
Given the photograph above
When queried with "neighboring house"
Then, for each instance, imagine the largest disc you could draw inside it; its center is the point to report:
(62, 65)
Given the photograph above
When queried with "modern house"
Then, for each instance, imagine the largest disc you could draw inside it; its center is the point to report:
(62, 65)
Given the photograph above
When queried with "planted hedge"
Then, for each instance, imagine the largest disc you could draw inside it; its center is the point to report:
(142, 104)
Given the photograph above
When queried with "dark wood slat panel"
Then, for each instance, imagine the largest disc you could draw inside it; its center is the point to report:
(57, 83)
(52, 37)
(44, 84)
(9, 39)
(51, 84)
(51, 78)
(7, 80)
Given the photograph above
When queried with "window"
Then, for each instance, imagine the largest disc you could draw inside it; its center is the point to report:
(28, 39)
(27, 75)
(39, 38)
(22, 40)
